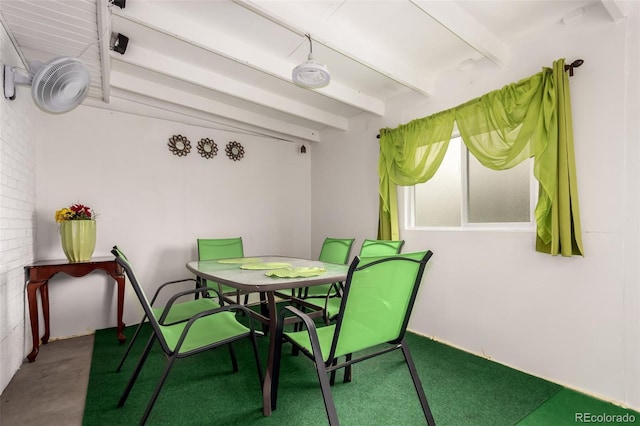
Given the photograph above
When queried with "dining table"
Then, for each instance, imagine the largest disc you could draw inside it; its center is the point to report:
(274, 278)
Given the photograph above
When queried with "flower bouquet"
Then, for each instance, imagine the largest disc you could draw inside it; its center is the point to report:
(77, 231)
(75, 212)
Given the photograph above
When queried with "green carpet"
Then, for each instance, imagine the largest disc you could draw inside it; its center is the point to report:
(568, 407)
(202, 390)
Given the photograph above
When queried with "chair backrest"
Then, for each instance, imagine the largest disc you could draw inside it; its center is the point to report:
(336, 250)
(219, 248)
(122, 260)
(372, 311)
(380, 247)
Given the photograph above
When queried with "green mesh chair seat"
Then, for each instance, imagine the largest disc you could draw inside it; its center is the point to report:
(207, 329)
(222, 248)
(185, 310)
(219, 327)
(378, 298)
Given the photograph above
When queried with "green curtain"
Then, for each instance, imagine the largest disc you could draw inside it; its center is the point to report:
(530, 118)
(409, 154)
(562, 221)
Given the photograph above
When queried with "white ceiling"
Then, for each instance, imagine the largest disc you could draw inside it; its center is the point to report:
(227, 64)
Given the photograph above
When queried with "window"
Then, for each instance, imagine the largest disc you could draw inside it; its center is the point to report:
(463, 193)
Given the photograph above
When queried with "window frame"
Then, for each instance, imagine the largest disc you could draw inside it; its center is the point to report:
(410, 203)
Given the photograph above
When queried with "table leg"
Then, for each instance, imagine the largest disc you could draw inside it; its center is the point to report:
(32, 288)
(264, 310)
(44, 295)
(120, 325)
(273, 320)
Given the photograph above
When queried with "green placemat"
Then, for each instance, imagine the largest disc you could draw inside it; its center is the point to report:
(296, 272)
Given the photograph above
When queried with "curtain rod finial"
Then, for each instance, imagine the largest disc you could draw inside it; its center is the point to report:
(572, 65)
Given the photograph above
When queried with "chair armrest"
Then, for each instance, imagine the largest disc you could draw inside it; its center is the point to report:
(308, 322)
(215, 311)
(311, 330)
(339, 287)
(176, 296)
(167, 284)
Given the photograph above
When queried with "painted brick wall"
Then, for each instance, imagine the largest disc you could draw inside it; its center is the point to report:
(17, 216)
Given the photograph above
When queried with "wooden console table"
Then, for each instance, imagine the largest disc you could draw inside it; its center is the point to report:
(37, 276)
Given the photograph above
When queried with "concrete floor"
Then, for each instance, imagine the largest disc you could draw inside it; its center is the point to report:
(52, 390)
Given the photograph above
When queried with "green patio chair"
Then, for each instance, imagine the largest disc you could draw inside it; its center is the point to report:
(368, 248)
(208, 329)
(334, 250)
(222, 248)
(372, 321)
(179, 311)
(380, 247)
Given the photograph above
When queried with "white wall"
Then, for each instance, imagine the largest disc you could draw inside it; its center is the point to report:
(570, 320)
(632, 217)
(154, 205)
(17, 215)
(344, 174)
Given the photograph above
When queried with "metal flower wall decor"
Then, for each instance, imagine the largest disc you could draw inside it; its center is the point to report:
(234, 151)
(207, 148)
(179, 145)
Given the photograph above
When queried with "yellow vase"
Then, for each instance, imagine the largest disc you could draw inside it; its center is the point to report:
(78, 239)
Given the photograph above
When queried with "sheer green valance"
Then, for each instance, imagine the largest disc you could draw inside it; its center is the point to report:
(530, 118)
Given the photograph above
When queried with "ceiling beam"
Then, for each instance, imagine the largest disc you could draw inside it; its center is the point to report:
(614, 8)
(467, 28)
(205, 78)
(342, 40)
(175, 96)
(205, 37)
(136, 104)
(104, 38)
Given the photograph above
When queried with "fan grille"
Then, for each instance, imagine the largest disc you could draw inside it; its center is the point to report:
(61, 85)
(311, 74)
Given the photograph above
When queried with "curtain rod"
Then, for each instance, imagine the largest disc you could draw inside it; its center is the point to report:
(575, 64)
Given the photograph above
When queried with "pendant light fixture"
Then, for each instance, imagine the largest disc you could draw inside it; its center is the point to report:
(311, 74)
